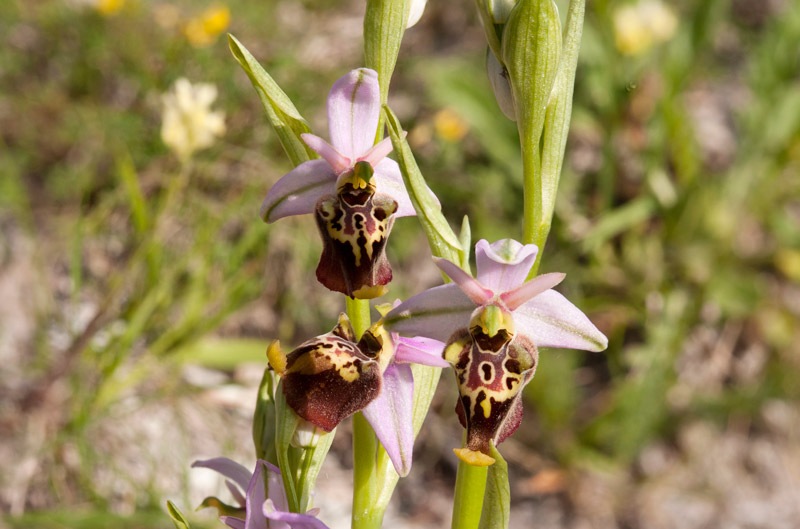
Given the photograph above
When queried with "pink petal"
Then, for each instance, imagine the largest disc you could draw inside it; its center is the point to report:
(298, 191)
(228, 468)
(530, 289)
(389, 180)
(233, 523)
(236, 492)
(390, 415)
(435, 313)
(420, 350)
(354, 105)
(504, 265)
(468, 284)
(254, 517)
(275, 490)
(551, 320)
(377, 152)
(290, 520)
(336, 160)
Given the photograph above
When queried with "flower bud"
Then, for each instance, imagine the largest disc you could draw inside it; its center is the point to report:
(501, 86)
(306, 435)
(531, 48)
(500, 10)
(415, 10)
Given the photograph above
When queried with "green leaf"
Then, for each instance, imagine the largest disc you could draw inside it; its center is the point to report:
(466, 244)
(384, 26)
(264, 419)
(442, 240)
(285, 425)
(133, 192)
(312, 460)
(222, 353)
(281, 112)
(493, 31)
(299, 466)
(177, 516)
(559, 109)
(497, 500)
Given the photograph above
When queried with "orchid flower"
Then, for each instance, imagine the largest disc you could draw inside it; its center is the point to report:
(494, 325)
(354, 190)
(391, 413)
(262, 502)
(328, 378)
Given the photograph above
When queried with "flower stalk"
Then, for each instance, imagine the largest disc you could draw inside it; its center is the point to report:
(468, 498)
(367, 512)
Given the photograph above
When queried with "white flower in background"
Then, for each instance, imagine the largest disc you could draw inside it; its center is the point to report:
(189, 124)
(640, 26)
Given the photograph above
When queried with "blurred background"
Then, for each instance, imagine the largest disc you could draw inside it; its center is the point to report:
(138, 289)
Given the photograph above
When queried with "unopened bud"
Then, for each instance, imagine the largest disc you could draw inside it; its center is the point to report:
(306, 435)
(415, 9)
(501, 86)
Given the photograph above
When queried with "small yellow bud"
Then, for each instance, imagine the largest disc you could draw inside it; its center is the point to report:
(276, 357)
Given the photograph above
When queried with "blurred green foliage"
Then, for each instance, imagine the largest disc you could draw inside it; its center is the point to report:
(678, 219)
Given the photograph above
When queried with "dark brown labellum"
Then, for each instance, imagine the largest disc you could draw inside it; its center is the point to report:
(327, 379)
(490, 373)
(355, 226)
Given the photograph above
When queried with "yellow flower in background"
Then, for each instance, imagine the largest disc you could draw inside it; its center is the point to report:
(109, 7)
(189, 124)
(204, 29)
(449, 126)
(640, 26)
(788, 262)
(104, 7)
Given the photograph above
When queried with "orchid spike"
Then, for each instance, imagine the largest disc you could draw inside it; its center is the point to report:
(354, 190)
(495, 324)
(262, 502)
(391, 413)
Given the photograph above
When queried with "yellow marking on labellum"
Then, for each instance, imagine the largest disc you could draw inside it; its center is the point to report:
(473, 457)
(344, 329)
(452, 351)
(367, 292)
(487, 408)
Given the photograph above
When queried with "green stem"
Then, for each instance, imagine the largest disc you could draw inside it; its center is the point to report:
(535, 222)
(469, 493)
(367, 511)
(358, 312)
